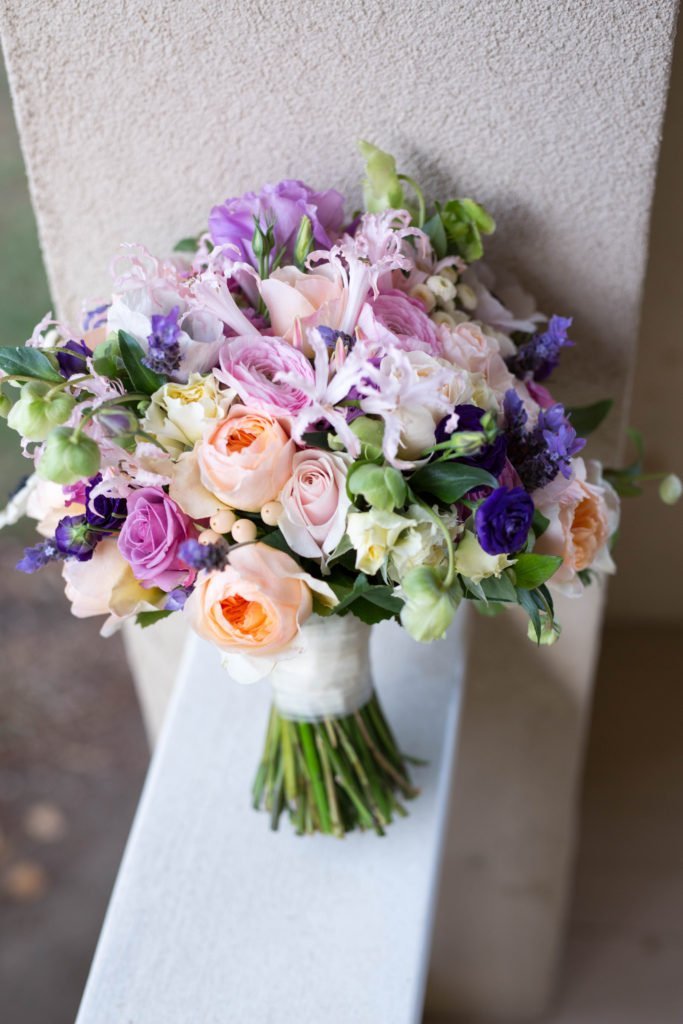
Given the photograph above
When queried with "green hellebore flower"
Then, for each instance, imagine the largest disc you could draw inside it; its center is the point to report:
(370, 433)
(430, 608)
(5, 405)
(383, 487)
(68, 457)
(382, 189)
(35, 414)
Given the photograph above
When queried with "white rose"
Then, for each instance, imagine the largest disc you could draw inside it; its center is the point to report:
(473, 562)
(179, 413)
(314, 503)
(372, 535)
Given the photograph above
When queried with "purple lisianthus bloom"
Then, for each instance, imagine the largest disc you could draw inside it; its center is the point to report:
(38, 556)
(163, 347)
(75, 539)
(541, 355)
(151, 538)
(104, 513)
(209, 557)
(540, 454)
(255, 368)
(72, 358)
(503, 520)
(490, 457)
(282, 205)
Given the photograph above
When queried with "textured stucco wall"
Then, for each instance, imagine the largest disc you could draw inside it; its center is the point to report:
(136, 115)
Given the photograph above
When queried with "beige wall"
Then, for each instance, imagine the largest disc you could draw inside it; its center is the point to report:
(650, 551)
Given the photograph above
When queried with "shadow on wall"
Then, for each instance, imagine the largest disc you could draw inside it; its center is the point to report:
(650, 550)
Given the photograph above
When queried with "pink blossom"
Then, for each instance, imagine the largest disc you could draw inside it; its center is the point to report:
(404, 319)
(254, 367)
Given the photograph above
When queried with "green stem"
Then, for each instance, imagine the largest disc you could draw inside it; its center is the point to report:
(307, 742)
(422, 213)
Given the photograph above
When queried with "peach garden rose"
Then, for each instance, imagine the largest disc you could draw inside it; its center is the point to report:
(246, 459)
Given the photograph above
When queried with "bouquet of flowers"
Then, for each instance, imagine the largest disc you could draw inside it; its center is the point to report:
(300, 425)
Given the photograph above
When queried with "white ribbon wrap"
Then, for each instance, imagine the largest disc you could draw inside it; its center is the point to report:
(331, 676)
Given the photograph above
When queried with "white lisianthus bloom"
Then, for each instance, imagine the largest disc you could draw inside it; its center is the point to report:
(473, 562)
(178, 414)
(373, 534)
(421, 543)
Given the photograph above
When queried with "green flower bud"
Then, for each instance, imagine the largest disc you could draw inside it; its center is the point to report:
(304, 242)
(429, 608)
(107, 359)
(670, 489)
(382, 189)
(383, 487)
(68, 457)
(370, 433)
(5, 405)
(550, 631)
(60, 408)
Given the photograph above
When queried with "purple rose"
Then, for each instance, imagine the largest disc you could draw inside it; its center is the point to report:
(282, 205)
(254, 366)
(503, 521)
(151, 538)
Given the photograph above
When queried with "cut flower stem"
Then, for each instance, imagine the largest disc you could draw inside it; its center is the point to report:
(333, 775)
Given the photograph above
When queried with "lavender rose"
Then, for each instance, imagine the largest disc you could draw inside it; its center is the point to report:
(253, 366)
(151, 538)
(503, 521)
(283, 205)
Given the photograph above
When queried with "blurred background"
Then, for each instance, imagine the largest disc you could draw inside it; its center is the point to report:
(73, 752)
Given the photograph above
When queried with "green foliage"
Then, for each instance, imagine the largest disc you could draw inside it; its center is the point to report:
(627, 481)
(28, 362)
(369, 602)
(531, 570)
(187, 245)
(382, 487)
(463, 222)
(449, 481)
(142, 378)
(587, 418)
(145, 619)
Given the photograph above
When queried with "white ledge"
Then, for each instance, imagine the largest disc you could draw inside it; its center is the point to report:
(214, 918)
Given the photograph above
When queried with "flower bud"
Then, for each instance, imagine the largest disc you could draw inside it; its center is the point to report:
(550, 631)
(370, 433)
(5, 405)
(429, 608)
(670, 489)
(383, 487)
(35, 414)
(304, 242)
(442, 289)
(467, 296)
(68, 457)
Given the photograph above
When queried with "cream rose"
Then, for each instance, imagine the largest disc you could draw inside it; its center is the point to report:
(473, 562)
(583, 514)
(179, 414)
(315, 503)
(255, 606)
(373, 534)
(105, 585)
(246, 459)
(421, 543)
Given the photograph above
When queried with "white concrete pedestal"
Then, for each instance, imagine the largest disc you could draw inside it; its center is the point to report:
(216, 919)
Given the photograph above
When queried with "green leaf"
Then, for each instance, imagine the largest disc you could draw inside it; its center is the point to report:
(532, 570)
(437, 235)
(28, 362)
(187, 245)
(145, 619)
(539, 523)
(366, 599)
(141, 377)
(587, 418)
(499, 589)
(527, 602)
(464, 222)
(449, 481)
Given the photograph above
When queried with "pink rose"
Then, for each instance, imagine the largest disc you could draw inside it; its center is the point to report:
(151, 537)
(404, 318)
(583, 514)
(257, 604)
(467, 346)
(246, 459)
(252, 365)
(315, 503)
(294, 299)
